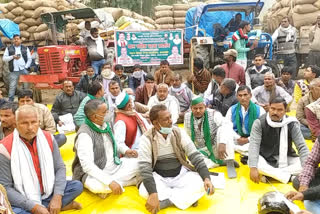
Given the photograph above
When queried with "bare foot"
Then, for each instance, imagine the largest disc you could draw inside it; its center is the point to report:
(72, 206)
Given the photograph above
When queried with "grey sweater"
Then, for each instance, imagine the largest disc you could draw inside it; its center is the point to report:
(16, 198)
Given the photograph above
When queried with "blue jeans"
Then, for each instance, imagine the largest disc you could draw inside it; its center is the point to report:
(14, 78)
(312, 206)
(73, 189)
(305, 132)
(97, 65)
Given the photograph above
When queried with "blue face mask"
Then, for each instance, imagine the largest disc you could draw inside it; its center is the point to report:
(165, 130)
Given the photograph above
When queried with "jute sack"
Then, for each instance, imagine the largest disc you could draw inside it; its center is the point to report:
(50, 4)
(137, 16)
(163, 13)
(165, 20)
(195, 4)
(180, 20)
(42, 27)
(10, 16)
(304, 19)
(179, 13)
(28, 13)
(17, 1)
(179, 26)
(24, 34)
(276, 6)
(116, 12)
(41, 10)
(3, 9)
(17, 11)
(167, 26)
(149, 20)
(32, 29)
(163, 7)
(180, 6)
(30, 22)
(283, 12)
(2, 16)
(19, 19)
(285, 3)
(305, 8)
(79, 5)
(126, 12)
(317, 4)
(5, 40)
(304, 1)
(36, 4)
(41, 36)
(27, 5)
(11, 5)
(23, 26)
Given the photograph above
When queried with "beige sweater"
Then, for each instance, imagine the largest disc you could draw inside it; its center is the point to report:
(46, 119)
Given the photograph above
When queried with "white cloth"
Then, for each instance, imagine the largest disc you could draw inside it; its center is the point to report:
(139, 75)
(99, 43)
(281, 174)
(24, 175)
(183, 190)
(170, 102)
(283, 148)
(98, 180)
(68, 126)
(290, 31)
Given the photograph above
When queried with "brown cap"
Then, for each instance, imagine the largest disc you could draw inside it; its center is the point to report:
(231, 52)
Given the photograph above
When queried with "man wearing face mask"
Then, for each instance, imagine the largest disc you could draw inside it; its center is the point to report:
(163, 97)
(97, 163)
(210, 133)
(129, 125)
(107, 76)
(138, 77)
(255, 73)
(87, 79)
(270, 150)
(144, 92)
(97, 50)
(167, 177)
(164, 74)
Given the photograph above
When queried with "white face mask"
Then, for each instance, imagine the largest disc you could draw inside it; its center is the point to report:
(165, 130)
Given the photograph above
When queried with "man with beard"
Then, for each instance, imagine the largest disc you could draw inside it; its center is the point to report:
(285, 38)
(8, 118)
(163, 97)
(124, 78)
(233, 70)
(183, 94)
(145, 91)
(164, 74)
(263, 94)
(270, 151)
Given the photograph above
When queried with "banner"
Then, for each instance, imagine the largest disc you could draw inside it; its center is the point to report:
(149, 47)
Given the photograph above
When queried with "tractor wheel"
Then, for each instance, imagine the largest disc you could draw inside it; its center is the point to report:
(276, 68)
(203, 52)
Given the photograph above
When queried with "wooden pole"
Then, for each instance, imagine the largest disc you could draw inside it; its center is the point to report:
(192, 68)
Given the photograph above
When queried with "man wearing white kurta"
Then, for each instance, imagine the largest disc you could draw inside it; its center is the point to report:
(163, 97)
(168, 178)
(129, 125)
(97, 163)
(242, 116)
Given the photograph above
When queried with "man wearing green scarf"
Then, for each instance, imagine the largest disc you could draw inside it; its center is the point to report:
(242, 115)
(210, 133)
(97, 163)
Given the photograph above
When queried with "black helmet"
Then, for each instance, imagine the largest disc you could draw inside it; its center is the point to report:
(272, 203)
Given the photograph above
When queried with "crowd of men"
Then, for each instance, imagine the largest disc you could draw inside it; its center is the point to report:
(127, 131)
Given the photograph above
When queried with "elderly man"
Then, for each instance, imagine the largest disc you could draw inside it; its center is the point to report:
(312, 112)
(210, 133)
(270, 150)
(66, 102)
(168, 178)
(218, 75)
(183, 94)
(314, 54)
(97, 164)
(32, 170)
(87, 79)
(47, 123)
(7, 118)
(233, 70)
(19, 59)
(263, 94)
(285, 38)
(255, 73)
(225, 97)
(145, 91)
(312, 96)
(200, 78)
(242, 115)
(164, 74)
(95, 91)
(163, 97)
(129, 125)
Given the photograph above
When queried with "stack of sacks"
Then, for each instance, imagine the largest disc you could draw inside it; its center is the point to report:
(164, 17)
(27, 15)
(305, 12)
(179, 14)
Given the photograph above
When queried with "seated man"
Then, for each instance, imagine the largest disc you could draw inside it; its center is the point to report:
(114, 91)
(163, 97)
(270, 150)
(95, 91)
(168, 179)
(242, 115)
(308, 182)
(234, 23)
(129, 125)
(255, 73)
(312, 112)
(32, 169)
(200, 78)
(183, 94)
(97, 164)
(7, 118)
(145, 91)
(285, 80)
(124, 78)
(164, 74)
(312, 96)
(87, 79)
(218, 75)
(47, 123)
(107, 75)
(210, 133)
(138, 77)
(225, 97)
(67, 102)
(261, 95)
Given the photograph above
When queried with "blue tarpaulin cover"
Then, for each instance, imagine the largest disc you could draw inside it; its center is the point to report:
(204, 18)
(9, 28)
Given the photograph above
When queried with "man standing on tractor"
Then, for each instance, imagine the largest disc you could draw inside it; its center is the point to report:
(234, 23)
(314, 54)
(85, 32)
(285, 37)
(97, 50)
(19, 59)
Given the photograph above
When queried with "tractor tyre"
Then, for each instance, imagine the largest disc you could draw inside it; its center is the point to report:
(203, 52)
(276, 68)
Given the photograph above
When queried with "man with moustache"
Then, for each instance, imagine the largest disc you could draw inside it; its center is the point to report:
(270, 150)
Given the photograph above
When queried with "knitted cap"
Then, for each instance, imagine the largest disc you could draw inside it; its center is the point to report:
(122, 100)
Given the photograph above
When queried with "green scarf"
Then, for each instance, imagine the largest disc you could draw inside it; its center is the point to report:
(107, 130)
(207, 138)
(252, 117)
